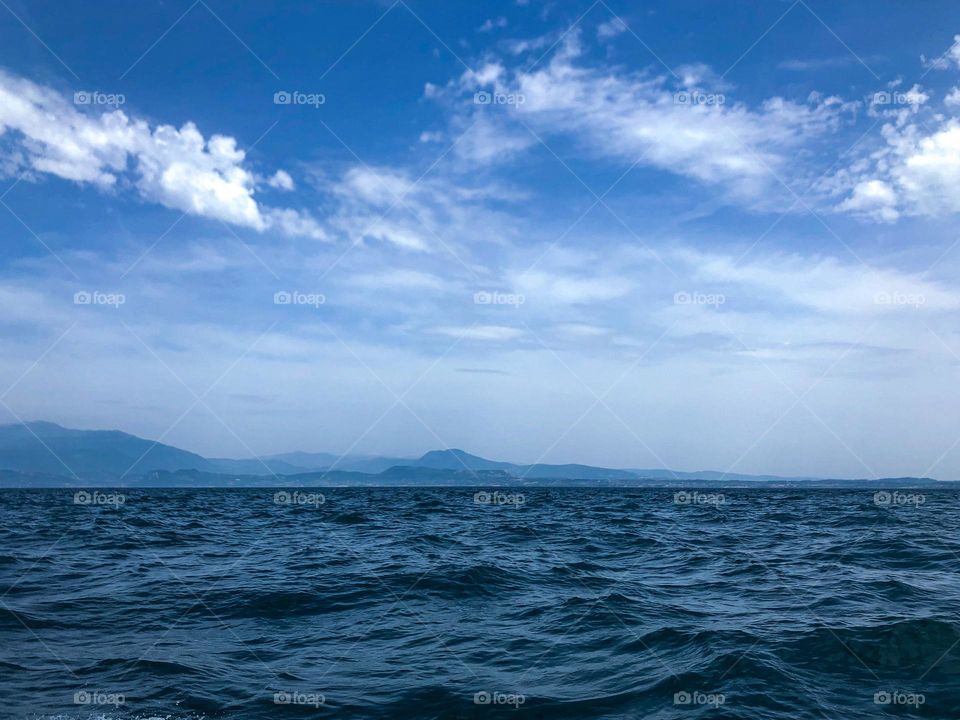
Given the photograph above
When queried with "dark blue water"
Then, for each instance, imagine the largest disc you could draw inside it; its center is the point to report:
(423, 603)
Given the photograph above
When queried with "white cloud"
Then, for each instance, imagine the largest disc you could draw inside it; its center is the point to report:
(954, 52)
(700, 75)
(611, 28)
(492, 333)
(929, 174)
(178, 168)
(294, 223)
(556, 288)
(873, 198)
(822, 284)
(492, 23)
(895, 104)
(380, 204)
(642, 120)
(916, 173)
(281, 180)
(679, 127)
(916, 97)
(379, 187)
(518, 47)
(182, 170)
(952, 55)
(490, 140)
(422, 214)
(404, 237)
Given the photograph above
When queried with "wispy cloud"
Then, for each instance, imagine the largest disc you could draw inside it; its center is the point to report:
(688, 125)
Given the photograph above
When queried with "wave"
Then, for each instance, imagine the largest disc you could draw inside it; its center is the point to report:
(413, 603)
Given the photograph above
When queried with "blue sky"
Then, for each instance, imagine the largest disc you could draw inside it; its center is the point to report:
(676, 234)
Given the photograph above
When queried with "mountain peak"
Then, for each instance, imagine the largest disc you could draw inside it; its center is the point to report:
(457, 459)
(448, 452)
(47, 447)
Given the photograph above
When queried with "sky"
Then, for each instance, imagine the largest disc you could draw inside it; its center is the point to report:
(633, 234)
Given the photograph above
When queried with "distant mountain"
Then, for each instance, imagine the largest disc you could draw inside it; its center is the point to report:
(372, 464)
(459, 460)
(44, 447)
(406, 476)
(325, 461)
(48, 448)
(443, 476)
(262, 466)
(306, 460)
(44, 454)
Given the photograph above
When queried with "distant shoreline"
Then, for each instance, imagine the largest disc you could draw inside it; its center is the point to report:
(186, 481)
(44, 454)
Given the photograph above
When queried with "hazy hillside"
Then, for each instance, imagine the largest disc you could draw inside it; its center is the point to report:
(46, 454)
(43, 447)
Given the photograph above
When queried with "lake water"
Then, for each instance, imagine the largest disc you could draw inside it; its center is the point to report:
(479, 603)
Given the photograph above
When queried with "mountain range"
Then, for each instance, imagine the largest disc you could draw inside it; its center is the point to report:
(45, 454)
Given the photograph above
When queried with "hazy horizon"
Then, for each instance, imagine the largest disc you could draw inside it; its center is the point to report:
(604, 233)
(343, 460)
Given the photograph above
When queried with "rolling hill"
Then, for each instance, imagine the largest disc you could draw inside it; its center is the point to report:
(45, 454)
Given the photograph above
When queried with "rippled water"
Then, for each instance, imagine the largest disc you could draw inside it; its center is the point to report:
(423, 603)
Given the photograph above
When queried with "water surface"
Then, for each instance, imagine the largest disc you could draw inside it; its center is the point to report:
(424, 603)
